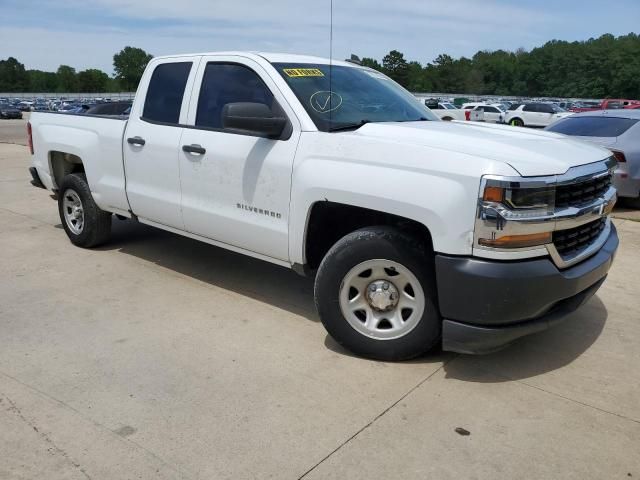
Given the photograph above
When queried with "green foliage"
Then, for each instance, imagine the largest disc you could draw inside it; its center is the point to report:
(40, 81)
(607, 66)
(129, 65)
(601, 67)
(13, 77)
(67, 79)
(92, 81)
(396, 67)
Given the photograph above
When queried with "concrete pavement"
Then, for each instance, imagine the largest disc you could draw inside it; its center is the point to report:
(157, 356)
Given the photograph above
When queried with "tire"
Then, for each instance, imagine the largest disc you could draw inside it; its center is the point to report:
(516, 122)
(86, 225)
(631, 202)
(390, 256)
(447, 119)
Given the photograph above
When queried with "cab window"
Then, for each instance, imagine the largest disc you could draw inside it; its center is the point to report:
(225, 83)
(165, 92)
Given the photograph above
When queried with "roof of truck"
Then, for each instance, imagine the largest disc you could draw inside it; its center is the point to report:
(269, 56)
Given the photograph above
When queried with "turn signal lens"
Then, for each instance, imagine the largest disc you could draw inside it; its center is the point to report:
(493, 194)
(517, 241)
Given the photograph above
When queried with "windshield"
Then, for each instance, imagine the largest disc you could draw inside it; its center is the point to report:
(557, 109)
(449, 106)
(352, 96)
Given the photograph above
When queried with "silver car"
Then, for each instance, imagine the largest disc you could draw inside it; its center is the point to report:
(617, 130)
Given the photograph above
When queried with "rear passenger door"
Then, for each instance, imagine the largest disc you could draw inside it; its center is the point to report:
(531, 114)
(152, 140)
(237, 189)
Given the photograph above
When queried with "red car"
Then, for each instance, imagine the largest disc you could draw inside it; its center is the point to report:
(608, 104)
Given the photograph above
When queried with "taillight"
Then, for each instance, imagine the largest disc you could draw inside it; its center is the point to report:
(30, 137)
(619, 156)
(467, 114)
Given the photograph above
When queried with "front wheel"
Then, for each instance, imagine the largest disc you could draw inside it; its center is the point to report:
(86, 225)
(375, 294)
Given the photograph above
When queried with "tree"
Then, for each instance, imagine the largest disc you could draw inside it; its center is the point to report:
(67, 81)
(40, 81)
(13, 77)
(396, 67)
(371, 63)
(129, 65)
(92, 81)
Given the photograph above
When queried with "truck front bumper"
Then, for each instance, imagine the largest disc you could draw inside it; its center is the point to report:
(488, 304)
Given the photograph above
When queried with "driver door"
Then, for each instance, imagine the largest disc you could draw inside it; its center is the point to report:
(236, 186)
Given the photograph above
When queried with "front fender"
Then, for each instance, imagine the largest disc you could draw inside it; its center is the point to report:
(444, 204)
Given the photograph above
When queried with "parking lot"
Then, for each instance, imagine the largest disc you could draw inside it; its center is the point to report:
(157, 356)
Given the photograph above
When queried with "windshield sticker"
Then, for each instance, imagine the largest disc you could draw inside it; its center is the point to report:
(325, 101)
(303, 72)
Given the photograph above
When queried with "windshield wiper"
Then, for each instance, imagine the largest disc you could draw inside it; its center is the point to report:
(349, 126)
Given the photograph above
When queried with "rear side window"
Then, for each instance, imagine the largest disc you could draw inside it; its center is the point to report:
(531, 107)
(593, 126)
(166, 89)
(225, 83)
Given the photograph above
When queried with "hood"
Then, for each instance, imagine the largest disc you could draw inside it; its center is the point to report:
(529, 152)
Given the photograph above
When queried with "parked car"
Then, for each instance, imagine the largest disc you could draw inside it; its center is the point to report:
(24, 106)
(447, 111)
(113, 108)
(491, 113)
(536, 114)
(73, 108)
(417, 231)
(617, 130)
(607, 104)
(9, 112)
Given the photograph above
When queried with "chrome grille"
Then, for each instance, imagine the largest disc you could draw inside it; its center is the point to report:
(581, 193)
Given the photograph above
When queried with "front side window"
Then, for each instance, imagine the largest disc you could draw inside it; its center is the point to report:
(342, 97)
(531, 107)
(225, 83)
(165, 93)
(593, 126)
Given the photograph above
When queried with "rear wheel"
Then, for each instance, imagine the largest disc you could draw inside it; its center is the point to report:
(86, 225)
(375, 295)
(516, 122)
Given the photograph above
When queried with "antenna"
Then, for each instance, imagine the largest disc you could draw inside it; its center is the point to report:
(330, 61)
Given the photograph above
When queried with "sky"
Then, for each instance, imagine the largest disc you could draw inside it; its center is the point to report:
(44, 34)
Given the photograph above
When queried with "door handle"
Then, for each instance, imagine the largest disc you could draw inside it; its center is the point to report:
(194, 149)
(136, 141)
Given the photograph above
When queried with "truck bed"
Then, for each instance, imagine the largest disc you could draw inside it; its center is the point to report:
(95, 139)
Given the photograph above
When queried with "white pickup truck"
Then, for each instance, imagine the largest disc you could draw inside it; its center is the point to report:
(417, 231)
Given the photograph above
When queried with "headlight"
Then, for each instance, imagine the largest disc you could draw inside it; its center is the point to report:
(503, 201)
(519, 201)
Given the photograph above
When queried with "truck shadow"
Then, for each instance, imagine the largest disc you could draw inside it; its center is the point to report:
(262, 281)
(537, 354)
(284, 289)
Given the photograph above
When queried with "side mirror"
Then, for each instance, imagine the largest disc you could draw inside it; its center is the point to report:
(254, 118)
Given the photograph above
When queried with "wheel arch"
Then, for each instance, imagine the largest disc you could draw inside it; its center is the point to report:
(329, 221)
(62, 164)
